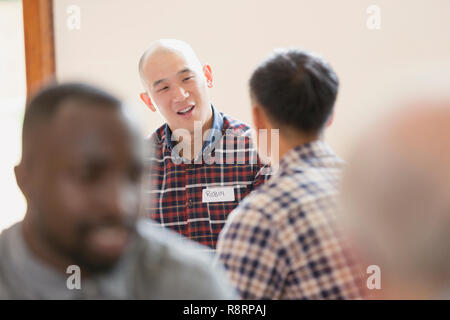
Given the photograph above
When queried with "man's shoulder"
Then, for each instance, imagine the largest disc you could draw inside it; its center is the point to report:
(6, 236)
(168, 244)
(284, 195)
(235, 127)
(154, 143)
(257, 205)
(274, 187)
(184, 269)
(157, 136)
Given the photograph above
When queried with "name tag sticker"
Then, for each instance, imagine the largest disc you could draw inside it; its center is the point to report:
(222, 194)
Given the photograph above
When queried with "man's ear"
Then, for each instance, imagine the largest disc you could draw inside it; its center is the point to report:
(256, 118)
(259, 118)
(144, 97)
(330, 121)
(207, 71)
(261, 122)
(21, 178)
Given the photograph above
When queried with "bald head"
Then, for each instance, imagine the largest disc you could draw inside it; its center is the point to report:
(164, 47)
(396, 194)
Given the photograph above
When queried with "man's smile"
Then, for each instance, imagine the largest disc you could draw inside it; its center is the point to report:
(187, 111)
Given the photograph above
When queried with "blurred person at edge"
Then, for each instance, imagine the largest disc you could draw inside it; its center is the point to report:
(395, 199)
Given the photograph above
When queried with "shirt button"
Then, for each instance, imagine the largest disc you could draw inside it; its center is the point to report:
(189, 203)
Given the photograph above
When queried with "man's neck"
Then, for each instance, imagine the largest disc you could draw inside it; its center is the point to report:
(288, 143)
(193, 135)
(41, 249)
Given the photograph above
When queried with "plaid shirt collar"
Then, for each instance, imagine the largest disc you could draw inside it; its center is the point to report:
(216, 125)
(308, 154)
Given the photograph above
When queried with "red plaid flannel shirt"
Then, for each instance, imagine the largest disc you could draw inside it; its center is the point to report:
(175, 190)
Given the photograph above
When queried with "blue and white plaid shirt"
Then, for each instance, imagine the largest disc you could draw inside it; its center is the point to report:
(281, 242)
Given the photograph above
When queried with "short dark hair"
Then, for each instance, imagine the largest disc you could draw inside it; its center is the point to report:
(296, 88)
(46, 103)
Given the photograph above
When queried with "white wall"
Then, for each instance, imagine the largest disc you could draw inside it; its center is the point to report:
(12, 106)
(235, 35)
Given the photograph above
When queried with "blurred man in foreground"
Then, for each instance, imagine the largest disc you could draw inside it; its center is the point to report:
(81, 176)
(396, 199)
(282, 241)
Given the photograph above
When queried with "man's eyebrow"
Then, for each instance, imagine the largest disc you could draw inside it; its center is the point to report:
(184, 71)
(178, 73)
(158, 82)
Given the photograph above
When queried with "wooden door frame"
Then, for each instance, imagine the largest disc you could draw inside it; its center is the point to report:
(39, 43)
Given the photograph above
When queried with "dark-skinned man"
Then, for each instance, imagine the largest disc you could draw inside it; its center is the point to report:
(80, 173)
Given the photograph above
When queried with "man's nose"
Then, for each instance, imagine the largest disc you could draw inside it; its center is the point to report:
(180, 94)
(117, 201)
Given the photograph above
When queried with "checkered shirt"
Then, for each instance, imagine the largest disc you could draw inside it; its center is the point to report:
(281, 242)
(174, 188)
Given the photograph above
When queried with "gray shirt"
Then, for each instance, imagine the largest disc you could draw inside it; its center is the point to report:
(156, 265)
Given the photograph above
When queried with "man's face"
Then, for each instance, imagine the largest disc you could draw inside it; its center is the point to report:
(178, 87)
(85, 185)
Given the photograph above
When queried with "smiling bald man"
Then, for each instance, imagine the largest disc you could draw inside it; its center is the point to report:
(194, 183)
